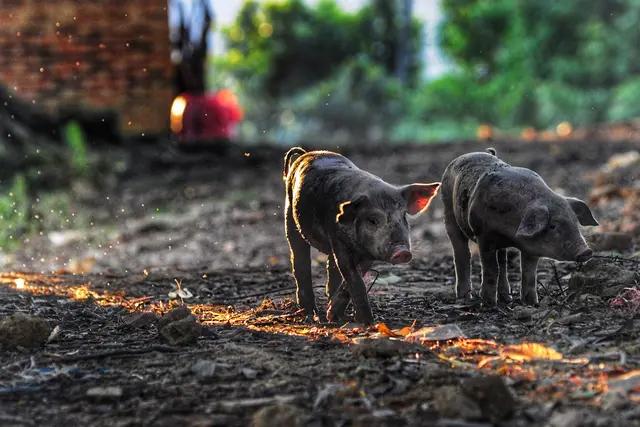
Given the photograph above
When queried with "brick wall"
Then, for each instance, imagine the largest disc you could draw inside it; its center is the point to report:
(98, 54)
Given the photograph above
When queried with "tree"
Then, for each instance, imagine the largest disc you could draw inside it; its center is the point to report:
(282, 47)
(543, 61)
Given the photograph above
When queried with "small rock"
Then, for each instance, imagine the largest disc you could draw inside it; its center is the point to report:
(22, 330)
(181, 332)
(570, 418)
(389, 279)
(139, 320)
(523, 313)
(495, 399)
(381, 347)
(204, 370)
(444, 332)
(614, 400)
(602, 277)
(450, 402)
(589, 300)
(278, 415)
(248, 373)
(177, 313)
(610, 241)
(105, 393)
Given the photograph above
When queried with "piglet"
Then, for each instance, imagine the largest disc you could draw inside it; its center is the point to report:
(352, 216)
(501, 206)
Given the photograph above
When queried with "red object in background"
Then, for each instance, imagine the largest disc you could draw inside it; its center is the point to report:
(207, 117)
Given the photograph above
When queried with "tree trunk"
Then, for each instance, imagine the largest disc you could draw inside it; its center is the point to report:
(403, 53)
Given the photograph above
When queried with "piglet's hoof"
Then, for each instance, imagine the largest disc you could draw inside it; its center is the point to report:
(530, 300)
(505, 299)
(469, 300)
(317, 318)
(365, 318)
(489, 303)
(334, 316)
(487, 308)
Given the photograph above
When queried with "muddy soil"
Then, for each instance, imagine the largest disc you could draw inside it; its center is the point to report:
(212, 223)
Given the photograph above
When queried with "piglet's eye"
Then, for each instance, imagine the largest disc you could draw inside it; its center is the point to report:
(372, 221)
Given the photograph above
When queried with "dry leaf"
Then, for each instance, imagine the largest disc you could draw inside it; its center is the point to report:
(530, 351)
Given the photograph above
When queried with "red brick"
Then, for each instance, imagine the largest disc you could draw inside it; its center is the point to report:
(86, 60)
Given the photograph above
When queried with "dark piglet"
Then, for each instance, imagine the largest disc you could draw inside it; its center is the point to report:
(352, 216)
(501, 206)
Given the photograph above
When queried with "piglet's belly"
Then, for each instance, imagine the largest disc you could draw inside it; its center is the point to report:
(317, 238)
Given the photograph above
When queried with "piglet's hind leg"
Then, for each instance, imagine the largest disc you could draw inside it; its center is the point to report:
(461, 259)
(301, 262)
(489, 262)
(504, 289)
(356, 286)
(336, 291)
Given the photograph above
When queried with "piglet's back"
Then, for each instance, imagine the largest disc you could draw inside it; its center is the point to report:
(460, 179)
(463, 173)
(329, 177)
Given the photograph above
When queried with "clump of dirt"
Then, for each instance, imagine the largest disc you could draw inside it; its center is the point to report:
(140, 320)
(180, 327)
(22, 330)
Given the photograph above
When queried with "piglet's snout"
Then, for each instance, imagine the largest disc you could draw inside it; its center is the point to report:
(585, 255)
(400, 255)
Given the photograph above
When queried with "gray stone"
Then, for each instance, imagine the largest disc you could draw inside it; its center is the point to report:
(450, 402)
(139, 320)
(204, 370)
(278, 415)
(495, 399)
(569, 418)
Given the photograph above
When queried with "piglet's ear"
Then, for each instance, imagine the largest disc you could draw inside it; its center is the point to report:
(348, 210)
(582, 211)
(534, 221)
(418, 196)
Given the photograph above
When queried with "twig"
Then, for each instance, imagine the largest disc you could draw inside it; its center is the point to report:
(374, 280)
(617, 258)
(260, 294)
(557, 277)
(114, 353)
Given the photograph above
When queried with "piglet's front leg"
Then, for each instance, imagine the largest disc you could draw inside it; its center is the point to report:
(529, 266)
(356, 288)
(339, 295)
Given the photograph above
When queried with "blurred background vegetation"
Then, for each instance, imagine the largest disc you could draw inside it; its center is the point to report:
(317, 72)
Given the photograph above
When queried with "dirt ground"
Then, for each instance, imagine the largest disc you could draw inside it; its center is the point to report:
(211, 222)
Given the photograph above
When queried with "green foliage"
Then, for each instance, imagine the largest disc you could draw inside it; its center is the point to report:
(278, 47)
(540, 62)
(475, 29)
(436, 130)
(76, 141)
(626, 101)
(315, 71)
(361, 99)
(14, 213)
